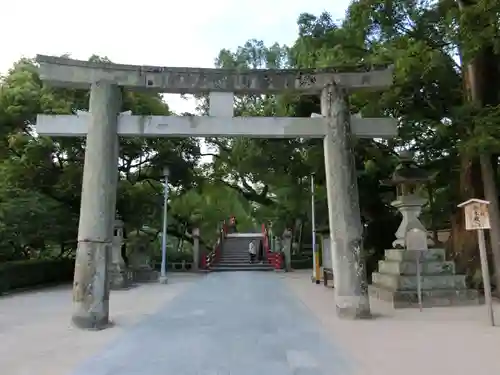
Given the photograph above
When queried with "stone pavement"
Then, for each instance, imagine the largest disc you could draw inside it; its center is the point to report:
(238, 323)
(448, 340)
(36, 336)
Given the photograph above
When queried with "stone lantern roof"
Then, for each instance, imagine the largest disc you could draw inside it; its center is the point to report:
(407, 171)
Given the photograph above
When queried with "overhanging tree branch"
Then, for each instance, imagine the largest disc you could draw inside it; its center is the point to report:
(252, 195)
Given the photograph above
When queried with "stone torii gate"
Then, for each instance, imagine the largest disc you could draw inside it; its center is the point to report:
(104, 123)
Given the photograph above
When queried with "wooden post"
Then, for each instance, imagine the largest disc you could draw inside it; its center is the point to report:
(477, 218)
(486, 275)
(346, 243)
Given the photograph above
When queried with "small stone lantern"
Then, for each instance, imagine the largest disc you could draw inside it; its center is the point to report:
(407, 177)
(118, 277)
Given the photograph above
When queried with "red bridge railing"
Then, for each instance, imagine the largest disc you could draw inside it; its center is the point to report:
(209, 259)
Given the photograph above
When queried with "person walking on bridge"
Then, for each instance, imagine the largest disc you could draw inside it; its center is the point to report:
(252, 251)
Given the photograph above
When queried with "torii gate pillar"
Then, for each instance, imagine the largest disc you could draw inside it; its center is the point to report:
(346, 242)
(97, 210)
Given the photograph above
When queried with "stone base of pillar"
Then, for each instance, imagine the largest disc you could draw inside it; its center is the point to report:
(163, 280)
(90, 286)
(84, 323)
(352, 307)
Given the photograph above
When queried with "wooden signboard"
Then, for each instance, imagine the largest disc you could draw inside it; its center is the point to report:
(476, 214)
(478, 219)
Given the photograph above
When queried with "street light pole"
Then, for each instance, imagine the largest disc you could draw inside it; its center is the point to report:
(163, 275)
(315, 277)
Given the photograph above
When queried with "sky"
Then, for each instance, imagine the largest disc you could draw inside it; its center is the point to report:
(183, 33)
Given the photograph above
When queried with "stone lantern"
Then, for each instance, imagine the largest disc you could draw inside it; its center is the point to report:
(407, 178)
(414, 273)
(118, 277)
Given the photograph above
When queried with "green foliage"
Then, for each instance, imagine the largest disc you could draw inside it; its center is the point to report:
(260, 180)
(41, 177)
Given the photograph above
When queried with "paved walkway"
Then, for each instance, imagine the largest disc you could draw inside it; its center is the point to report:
(36, 336)
(238, 324)
(241, 323)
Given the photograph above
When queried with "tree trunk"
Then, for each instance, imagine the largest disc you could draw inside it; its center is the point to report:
(490, 193)
(462, 245)
(482, 79)
(301, 236)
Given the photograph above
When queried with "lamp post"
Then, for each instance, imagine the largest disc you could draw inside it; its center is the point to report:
(315, 277)
(163, 275)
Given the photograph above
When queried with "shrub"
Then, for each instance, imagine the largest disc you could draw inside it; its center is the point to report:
(30, 273)
(302, 263)
(174, 257)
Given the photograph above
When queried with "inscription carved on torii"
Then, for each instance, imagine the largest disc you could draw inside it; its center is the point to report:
(104, 123)
(75, 73)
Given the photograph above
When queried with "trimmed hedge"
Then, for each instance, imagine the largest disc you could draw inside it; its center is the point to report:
(302, 263)
(35, 272)
(176, 257)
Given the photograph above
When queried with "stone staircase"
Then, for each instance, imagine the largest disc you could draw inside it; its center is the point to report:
(235, 257)
(396, 281)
